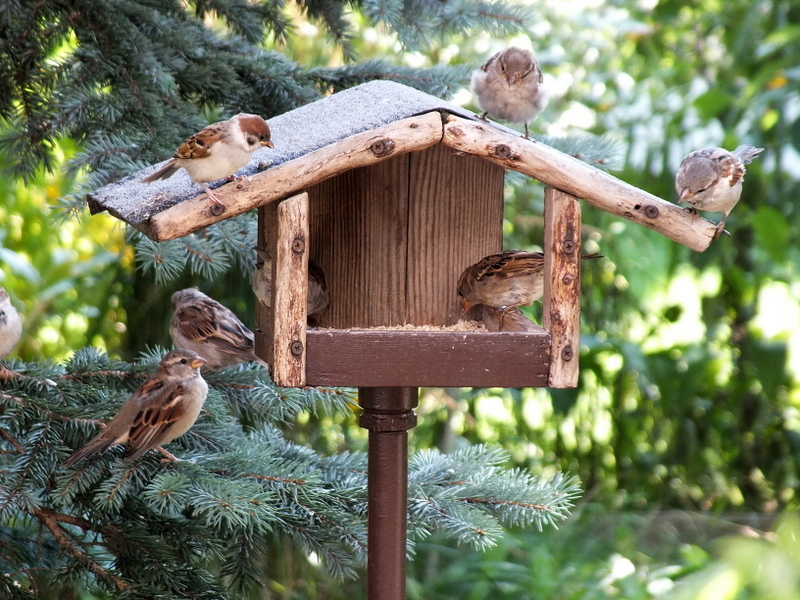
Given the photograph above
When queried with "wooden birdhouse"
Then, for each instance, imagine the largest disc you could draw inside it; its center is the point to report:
(393, 192)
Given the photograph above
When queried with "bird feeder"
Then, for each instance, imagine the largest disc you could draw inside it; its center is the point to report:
(393, 192)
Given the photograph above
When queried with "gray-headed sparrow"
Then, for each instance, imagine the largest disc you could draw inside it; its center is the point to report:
(203, 325)
(10, 330)
(509, 87)
(505, 280)
(711, 179)
(163, 408)
(318, 297)
(10, 325)
(217, 151)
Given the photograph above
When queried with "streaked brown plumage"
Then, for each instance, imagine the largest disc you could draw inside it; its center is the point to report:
(711, 179)
(163, 408)
(505, 280)
(203, 325)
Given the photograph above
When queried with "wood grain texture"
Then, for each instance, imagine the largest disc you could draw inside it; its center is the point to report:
(455, 219)
(562, 276)
(359, 150)
(359, 237)
(290, 292)
(570, 175)
(369, 358)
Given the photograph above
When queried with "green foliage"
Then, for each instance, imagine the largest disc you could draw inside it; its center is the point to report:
(211, 516)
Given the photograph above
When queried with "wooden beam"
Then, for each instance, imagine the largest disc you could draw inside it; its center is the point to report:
(566, 173)
(360, 150)
(392, 357)
(562, 275)
(290, 292)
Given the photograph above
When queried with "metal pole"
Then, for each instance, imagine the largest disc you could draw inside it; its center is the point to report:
(388, 415)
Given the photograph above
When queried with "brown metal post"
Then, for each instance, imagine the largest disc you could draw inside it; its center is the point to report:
(388, 415)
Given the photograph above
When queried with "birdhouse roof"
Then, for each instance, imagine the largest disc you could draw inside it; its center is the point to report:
(364, 125)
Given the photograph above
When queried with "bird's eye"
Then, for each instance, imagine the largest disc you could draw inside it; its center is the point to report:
(184, 361)
(262, 137)
(503, 67)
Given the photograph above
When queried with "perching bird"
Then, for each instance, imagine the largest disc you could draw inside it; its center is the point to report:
(218, 151)
(505, 280)
(318, 297)
(163, 408)
(509, 87)
(205, 326)
(711, 179)
(10, 330)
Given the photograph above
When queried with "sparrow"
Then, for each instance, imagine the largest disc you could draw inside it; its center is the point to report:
(509, 87)
(10, 330)
(163, 408)
(203, 325)
(505, 280)
(318, 297)
(217, 151)
(711, 179)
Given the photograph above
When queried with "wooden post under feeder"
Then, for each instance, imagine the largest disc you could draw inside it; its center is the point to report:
(393, 199)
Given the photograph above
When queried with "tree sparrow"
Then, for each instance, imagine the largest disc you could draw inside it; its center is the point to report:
(505, 280)
(163, 408)
(10, 330)
(217, 151)
(205, 326)
(711, 179)
(318, 297)
(509, 87)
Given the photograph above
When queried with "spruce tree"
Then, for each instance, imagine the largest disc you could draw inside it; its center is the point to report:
(128, 80)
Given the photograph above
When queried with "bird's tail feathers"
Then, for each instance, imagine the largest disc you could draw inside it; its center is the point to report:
(97, 446)
(746, 153)
(165, 172)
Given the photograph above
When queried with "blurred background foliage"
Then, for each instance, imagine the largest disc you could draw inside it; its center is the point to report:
(689, 398)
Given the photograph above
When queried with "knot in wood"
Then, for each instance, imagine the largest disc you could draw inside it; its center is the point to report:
(502, 151)
(651, 211)
(298, 245)
(296, 348)
(567, 353)
(383, 147)
(569, 247)
(568, 279)
(217, 209)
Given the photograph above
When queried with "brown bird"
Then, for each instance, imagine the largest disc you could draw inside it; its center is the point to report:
(711, 179)
(217, 151)
(505, 280)
(203, 325)
(318, 297)
(163, 408)
(510, 87)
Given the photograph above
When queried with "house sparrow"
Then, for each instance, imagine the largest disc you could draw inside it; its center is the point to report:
(217, 151)
(10, 330)
(505, 280)
(205, 326)
(509, 87)
(318, 297)
(711, 179)
(163, 408)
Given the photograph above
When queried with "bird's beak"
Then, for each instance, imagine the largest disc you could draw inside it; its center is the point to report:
(268, 144)
(685, 195)
(198, 362)
(464, 305)
(512, 79)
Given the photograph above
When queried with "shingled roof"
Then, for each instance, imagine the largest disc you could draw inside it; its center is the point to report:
(364, 125)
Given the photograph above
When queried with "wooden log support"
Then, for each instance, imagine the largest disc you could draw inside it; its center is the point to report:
(360, 150)
(287, 244)
(562, 269)
(566, 173)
